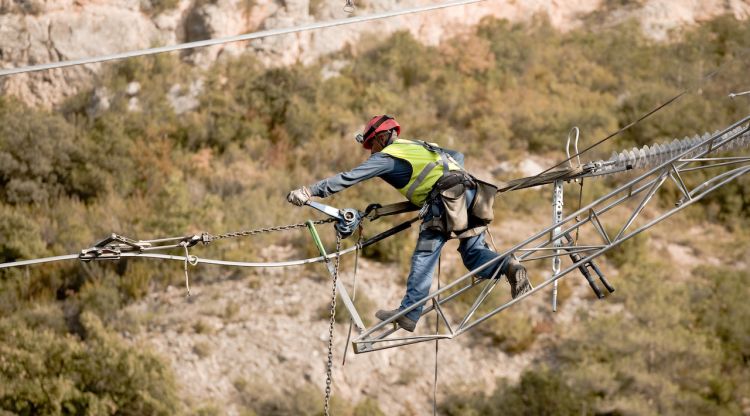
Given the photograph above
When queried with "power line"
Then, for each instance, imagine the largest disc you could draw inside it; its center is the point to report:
(247, 36)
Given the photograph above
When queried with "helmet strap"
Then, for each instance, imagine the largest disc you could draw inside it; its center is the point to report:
(391, 137)
(377, 124)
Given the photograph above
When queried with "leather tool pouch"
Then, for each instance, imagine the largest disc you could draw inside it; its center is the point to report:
(481, 207)
(454, 206)
(454, 219)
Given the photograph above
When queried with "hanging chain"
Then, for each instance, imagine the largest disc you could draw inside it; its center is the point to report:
(265, 230)
(331, 323)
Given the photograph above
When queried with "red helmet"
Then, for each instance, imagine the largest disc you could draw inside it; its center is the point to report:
(375, 126)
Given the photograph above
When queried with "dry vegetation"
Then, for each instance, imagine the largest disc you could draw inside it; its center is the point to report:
(674, 348)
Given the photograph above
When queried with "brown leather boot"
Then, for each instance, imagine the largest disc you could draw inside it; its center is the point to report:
(519, 282)
(403, 322)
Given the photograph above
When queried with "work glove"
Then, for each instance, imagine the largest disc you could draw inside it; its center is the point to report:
(299, 196)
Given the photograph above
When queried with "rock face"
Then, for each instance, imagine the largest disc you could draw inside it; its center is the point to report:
(34, 32)
(64, 30)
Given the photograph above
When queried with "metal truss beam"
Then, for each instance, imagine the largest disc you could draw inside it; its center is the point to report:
(596, 218)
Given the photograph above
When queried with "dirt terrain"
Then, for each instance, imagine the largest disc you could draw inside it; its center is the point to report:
(265, 331)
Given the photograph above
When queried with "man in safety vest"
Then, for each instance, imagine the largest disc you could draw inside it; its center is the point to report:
(432, 178)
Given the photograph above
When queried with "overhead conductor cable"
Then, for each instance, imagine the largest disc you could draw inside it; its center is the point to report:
(238, 38)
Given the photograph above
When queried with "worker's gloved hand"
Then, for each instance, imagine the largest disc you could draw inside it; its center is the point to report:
(299, 196)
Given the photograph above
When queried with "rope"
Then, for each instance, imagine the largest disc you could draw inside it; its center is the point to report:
(192, 260)
(238, 38)
(437, 343)
(332, 322)
(492, 240)
(631, 124)
(196, 260)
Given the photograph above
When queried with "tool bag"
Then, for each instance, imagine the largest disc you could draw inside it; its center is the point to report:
(454, 219)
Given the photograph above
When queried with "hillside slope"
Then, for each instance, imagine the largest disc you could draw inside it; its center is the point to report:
(36, 32)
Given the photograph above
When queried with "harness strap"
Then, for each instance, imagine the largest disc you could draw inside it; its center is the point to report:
(444, 159)
(439, 151)
(422, 175)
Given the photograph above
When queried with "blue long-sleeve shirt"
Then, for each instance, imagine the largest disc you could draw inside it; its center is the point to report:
(396, 172)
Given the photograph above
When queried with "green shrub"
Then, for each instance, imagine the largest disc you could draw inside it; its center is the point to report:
(258, 133)
(631, 252)
(621, 357)
(203, 327)
(260, 398)
(202, 349)
(367, 407)
(539, 392)
(155, 7)
(510, 330)
(101, 297)
(45, 372)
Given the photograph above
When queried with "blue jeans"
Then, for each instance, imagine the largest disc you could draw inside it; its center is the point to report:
(474, 253)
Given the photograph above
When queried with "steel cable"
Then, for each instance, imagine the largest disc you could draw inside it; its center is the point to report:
(238, 38)
(644, 116)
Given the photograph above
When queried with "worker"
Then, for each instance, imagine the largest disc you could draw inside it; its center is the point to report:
(453, 204)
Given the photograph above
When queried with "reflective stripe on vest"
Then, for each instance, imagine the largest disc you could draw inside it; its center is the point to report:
(426, 168)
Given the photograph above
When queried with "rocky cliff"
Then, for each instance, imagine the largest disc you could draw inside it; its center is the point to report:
(39, 31)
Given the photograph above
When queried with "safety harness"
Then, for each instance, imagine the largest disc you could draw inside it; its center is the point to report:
(437, 179)
(428, 167)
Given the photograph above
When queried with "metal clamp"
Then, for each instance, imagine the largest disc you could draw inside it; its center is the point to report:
(347, 219)
(112, 247)
(204, 238)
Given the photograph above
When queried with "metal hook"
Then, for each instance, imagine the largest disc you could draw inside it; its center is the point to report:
(349, 6)
(567, 146)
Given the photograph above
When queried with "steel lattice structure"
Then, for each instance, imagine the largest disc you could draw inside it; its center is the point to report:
(666, 164)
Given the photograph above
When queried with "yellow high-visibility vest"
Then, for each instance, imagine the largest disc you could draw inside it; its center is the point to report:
(426, 167)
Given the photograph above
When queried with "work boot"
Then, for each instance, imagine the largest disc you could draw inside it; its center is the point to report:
(519, 283)
(403, 322)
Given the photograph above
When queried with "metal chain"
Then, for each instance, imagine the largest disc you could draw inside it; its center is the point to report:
(265, 230)
(331, 323)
